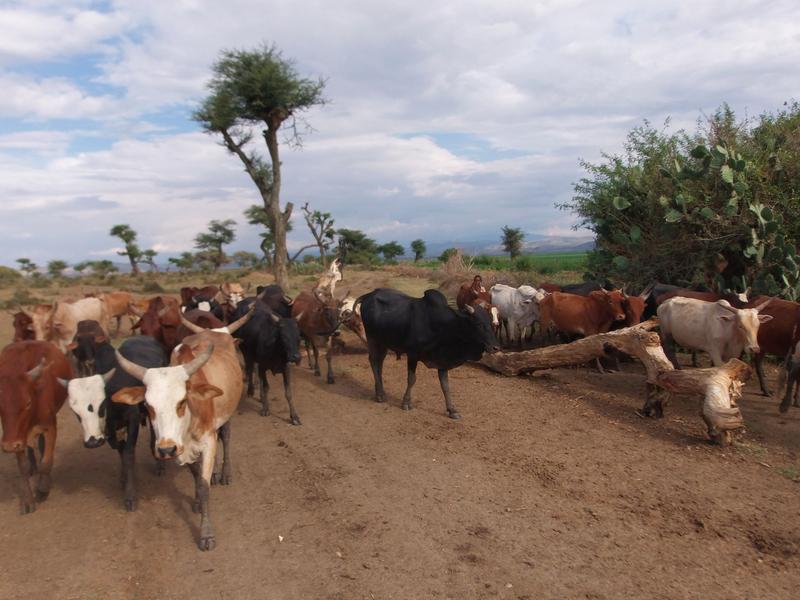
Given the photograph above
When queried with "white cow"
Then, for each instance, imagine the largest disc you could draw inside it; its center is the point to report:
(714, 327)
(518, 308)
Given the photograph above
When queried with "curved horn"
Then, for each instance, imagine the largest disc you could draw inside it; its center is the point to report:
(764, 304)
(163, 312)
(724, 304)
(191, 326)
(63, 382)
(36, 371)
(647, 291)
(198, 361)
(108, 375)
(242, 320)
(468, 308)
(275, 317)
(288, 300)
(300, 316)
(131, 368)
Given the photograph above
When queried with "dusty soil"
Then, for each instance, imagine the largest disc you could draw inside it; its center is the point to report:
(550, 486)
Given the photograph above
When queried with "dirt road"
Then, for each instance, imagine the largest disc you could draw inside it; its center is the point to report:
(550, 487)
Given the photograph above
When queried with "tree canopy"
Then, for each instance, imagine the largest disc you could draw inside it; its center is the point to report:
(260, 88)
(419, 249)
(718, 207)
(512, 240)
(210, 243)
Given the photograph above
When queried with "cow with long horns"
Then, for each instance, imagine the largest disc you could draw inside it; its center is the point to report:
(189, 402)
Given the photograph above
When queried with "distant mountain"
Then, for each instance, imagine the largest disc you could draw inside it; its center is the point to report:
(536, 244)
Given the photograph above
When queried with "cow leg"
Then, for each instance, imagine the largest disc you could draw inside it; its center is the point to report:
(695, 361)
(599, 366)
(377, 354)
(127, 454)
(762, 380)
(444, 381)
(225, 476)
(119, 325)
(202, 478)
(308, 354)
(314, 347)
(287, 391)
(43, 483)
(263, 391)
(329, 359)
(249, 364)
(791, 380)
(27, 503)
(669, 349)
(411, 380)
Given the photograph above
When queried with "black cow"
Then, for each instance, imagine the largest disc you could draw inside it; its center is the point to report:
(583, 289)
(274, 297)
(88, 337)
(426, 329)
(100, 418)
(269, 342)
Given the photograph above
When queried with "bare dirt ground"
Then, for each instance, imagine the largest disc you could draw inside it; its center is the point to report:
(550, 486)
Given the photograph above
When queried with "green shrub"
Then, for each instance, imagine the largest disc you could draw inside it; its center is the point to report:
(9, 276)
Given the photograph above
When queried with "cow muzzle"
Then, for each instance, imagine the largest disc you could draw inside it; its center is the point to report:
(754, 349)
(492, 349)
(168, 452)
(94, 442)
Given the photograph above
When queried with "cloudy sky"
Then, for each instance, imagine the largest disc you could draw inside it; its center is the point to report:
(447, 119)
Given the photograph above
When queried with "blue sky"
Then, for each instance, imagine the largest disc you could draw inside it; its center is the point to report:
(447, 120)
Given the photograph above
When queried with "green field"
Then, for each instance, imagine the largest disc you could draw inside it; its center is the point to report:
(541, 263)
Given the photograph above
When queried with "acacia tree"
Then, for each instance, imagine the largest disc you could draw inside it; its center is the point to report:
(252, 88)
(148, 258)
(321, 226)
(132, 251)
(258, 215)
(27, 266)
(391, 250)
(512, 240)
(184, 262)
(210, 243)
(419, 248)
(55, 268)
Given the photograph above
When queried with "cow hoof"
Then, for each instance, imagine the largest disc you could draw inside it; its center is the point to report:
(264, 412)
(207, 543)
(453, 414)
(405, 406)
(783, 407)
(380, 399)
(27, 508)
(216, 479)
(331, 379)
(42, 496)
(130, 504)
(295, 420)
(196, 506)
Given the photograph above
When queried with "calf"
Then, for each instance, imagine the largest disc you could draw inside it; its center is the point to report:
(189, 402)
(116, 304)
(89, 398)
(425, 329)
(30, 397)
(714, 327)
(318, 320)
(268, 342)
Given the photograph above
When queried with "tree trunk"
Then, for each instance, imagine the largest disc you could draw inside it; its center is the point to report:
(719, 386)
(134, 265)
(273, 205)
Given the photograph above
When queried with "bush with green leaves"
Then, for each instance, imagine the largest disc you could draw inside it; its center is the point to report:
(717, 208)
(9, 276)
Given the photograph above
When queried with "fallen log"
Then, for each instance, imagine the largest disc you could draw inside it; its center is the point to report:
(719, 387)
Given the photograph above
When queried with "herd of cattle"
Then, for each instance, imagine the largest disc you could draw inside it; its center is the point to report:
(182, 376)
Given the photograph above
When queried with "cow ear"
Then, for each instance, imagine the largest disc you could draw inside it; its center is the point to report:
(100, 339)
(726, 317)
(764, 318)
(129, 395)
(200, 404)
(204, 391)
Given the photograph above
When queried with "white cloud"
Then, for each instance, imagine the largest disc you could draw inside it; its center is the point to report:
(532, 86)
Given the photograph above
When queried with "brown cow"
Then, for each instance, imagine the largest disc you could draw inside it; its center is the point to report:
(191, 295)
(23, 326)
(350, 316)
(581, 315)
(161, 321)
(189, 403)
(117, 304)
(318, 319)
(30, 397)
